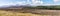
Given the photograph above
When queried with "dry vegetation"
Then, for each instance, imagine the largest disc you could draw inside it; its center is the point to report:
(28, 12)
(9, 13)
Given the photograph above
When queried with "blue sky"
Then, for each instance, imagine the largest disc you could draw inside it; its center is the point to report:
(41, 2)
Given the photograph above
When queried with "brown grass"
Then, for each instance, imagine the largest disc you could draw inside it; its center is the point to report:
(9, 13)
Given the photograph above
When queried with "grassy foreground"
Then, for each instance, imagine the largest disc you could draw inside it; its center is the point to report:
(9, 13)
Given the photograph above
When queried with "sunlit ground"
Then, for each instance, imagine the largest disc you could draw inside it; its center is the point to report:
(9, 13)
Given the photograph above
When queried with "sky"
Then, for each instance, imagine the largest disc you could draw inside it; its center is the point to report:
(32, 2)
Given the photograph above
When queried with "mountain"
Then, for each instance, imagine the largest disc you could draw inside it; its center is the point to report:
(16, 6)
(19, 6)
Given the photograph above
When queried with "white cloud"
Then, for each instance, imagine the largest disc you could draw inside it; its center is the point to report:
(22, 3)
(56, 0)
(34, 2)
(37, 2)
(19, 2)
(6, 4)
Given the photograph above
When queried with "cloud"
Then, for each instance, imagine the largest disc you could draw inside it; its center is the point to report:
(22, 3)
(5, 4)
(2, 2)
(56, 0)
(19, 2)
(37, 2)
(34, 2)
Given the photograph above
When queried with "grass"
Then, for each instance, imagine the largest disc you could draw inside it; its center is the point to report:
(9, 13)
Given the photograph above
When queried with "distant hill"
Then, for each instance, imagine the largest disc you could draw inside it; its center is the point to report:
(15, 7)
(31, 6)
